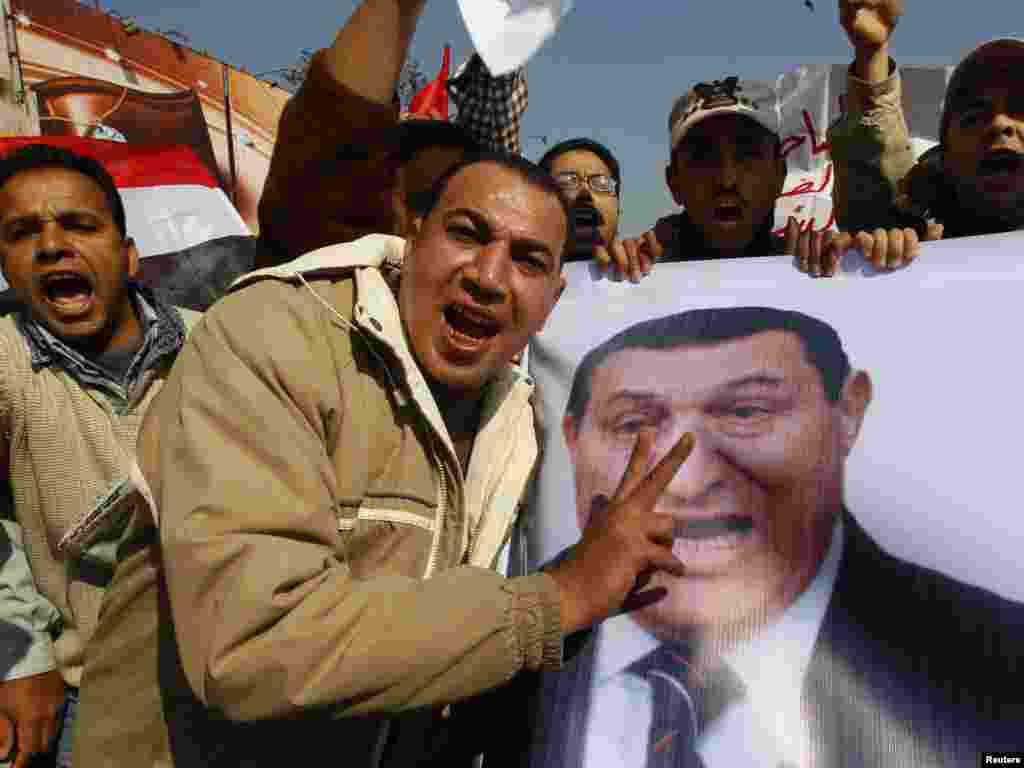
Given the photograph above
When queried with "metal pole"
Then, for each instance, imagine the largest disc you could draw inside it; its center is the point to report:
(231, 135)
(11, 31)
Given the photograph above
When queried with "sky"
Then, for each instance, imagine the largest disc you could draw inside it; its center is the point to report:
(613, 69)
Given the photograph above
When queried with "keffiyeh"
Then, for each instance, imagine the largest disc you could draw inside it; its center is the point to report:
(490, 108)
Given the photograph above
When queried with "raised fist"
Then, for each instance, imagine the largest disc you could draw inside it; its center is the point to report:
(869, 23)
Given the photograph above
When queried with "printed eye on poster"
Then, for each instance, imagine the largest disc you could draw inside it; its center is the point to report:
(848, 517)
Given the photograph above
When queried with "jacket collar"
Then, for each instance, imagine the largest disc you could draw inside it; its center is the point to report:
(163, 333)
(369, 251)
(376, 314)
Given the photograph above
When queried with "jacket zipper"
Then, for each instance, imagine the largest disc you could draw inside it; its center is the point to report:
(442, 511)
(474, 535)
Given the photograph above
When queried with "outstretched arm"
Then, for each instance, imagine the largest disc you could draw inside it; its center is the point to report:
(330, 179)
(870, 143)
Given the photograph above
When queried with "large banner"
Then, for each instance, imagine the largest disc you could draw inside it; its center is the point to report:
(853, 483)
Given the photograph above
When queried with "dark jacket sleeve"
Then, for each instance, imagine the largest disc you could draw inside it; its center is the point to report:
(332, 170)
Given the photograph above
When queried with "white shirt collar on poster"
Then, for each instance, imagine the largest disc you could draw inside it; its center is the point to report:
(767, 724)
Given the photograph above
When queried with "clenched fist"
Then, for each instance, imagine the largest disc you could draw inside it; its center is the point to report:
(869, 23)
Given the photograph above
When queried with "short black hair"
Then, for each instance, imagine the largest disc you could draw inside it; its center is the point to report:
(529, 171)
(587, 145)
(34, 156)
(822, 345)
(416, 135)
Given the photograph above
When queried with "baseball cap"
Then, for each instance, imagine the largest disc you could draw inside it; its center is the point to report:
(750, 98)
(993, 53)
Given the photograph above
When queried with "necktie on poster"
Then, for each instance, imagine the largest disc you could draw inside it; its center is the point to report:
(506, 33)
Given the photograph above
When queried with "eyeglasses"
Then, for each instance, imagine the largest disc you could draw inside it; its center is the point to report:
(599, 183)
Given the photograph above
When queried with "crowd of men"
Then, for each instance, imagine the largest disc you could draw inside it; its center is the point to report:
(273, 530)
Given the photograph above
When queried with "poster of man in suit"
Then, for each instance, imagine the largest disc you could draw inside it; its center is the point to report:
(794, 639)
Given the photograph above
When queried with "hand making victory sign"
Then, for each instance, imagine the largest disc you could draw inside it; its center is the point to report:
(625, 545)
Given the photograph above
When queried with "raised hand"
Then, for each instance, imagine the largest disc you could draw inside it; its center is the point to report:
(869, 23)
(632, 257)
(626, 544)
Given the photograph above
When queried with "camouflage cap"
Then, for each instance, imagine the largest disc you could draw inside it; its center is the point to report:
(755, 100)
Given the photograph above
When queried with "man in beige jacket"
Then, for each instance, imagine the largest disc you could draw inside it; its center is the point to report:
(336, 462)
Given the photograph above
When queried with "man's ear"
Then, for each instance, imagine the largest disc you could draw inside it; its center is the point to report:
(853, 404)
(133, 257)
(400, 214)
(670, 182)
(410, 238)
(780, 173)
(415, 227)
(569, 433)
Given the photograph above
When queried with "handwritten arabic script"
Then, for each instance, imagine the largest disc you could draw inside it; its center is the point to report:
(812, 184)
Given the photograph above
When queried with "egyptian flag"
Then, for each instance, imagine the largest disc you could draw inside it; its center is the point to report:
(432, 101)
(172, 200)
(192, 241)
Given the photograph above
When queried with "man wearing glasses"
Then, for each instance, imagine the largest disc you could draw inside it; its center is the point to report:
(589, 175)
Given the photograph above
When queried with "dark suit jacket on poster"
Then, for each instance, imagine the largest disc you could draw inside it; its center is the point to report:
(911, 668)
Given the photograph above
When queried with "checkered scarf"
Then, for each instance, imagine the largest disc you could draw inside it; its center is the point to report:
(489, 108)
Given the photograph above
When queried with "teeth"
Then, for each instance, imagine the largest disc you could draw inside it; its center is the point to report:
(61, 287)
(467, 325)
(723, 541)
(482, 321)
(698, 530)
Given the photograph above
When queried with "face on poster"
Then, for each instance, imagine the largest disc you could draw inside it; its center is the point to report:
(851, 435)
(935, 457)
(774, 409)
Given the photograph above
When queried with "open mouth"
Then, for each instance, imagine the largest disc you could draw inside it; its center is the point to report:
(586, 224)
(68, 291)
(714, 528)
(728, 213)
(1002, 161)
(468, 325)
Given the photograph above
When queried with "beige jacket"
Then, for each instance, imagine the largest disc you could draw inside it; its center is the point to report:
(67, 449)
(323, 555)
(871, 150)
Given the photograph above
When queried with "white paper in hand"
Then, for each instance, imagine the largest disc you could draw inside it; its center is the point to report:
(506, 33)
